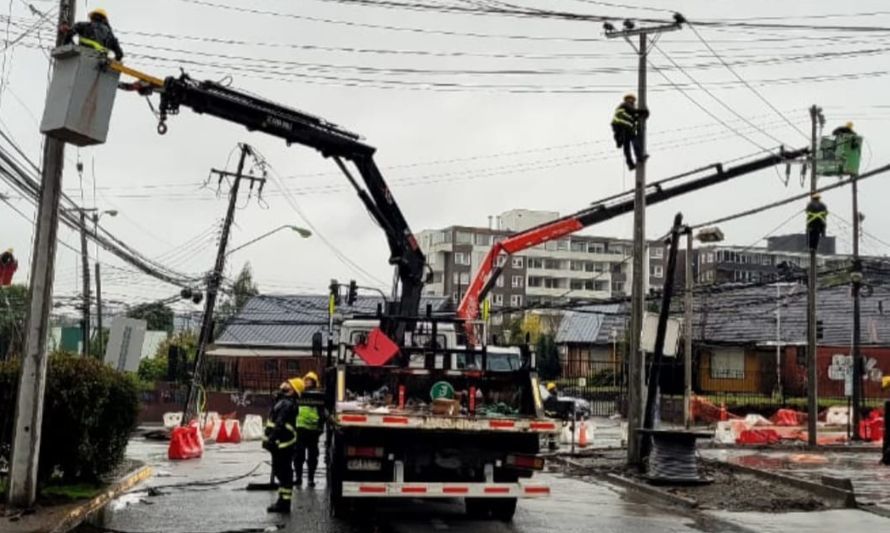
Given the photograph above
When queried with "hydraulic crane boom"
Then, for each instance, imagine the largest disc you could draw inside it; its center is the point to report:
(258, 114)
(489, 271)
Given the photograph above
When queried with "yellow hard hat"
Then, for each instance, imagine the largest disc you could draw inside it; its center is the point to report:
(551, 386)
(99, 12)
(885, 382)
(297, 384)
(630, 96)
(816, 196)
(311, 375)
(849, 125)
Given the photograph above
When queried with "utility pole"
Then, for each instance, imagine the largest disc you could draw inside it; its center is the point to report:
(99, 336)
(812, 376)
(29, 405)
(85, 265)
(215, 279)
(856, 278)
(687, 335)
(636, 362)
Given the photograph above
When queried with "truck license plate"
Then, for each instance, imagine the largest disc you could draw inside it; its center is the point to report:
(365, 465)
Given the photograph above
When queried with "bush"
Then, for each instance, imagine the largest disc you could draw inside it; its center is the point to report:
(89, 412)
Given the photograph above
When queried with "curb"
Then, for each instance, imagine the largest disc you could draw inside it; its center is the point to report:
(628, 483)
(844, 498)
(80, 513)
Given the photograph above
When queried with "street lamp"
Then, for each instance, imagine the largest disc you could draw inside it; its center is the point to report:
(302, 232)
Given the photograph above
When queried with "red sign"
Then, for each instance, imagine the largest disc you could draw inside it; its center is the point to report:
(377, 349)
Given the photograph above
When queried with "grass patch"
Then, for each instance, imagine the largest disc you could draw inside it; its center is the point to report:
(71, 492)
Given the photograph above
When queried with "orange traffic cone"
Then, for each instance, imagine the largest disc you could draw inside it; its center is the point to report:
(223, 435)
(235, 432)
(582, 435)
(724, 414)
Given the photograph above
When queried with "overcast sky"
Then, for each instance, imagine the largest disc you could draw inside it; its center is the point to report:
(472, 115)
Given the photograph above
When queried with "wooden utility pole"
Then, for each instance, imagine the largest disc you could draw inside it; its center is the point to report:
(812, 375)
(856, 278)
(687, 335)
(29, 404)
(99, 335)
(85, 266)
(214, 281)
(635, 370)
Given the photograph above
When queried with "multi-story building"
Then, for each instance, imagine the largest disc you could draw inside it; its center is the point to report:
(578, 267)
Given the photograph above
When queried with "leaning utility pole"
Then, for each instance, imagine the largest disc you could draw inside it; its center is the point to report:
(85, 265)
(636, 363)
(812, 375)
(215, 280)
(99, 335)
(29, 405)
(687, 335)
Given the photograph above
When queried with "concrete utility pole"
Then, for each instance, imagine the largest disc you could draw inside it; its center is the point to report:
(99, 310)
(214, 281)
(856, 278)
(29, 404)
(85, 265)
(812, 376)
(636, 365)
(687, 335)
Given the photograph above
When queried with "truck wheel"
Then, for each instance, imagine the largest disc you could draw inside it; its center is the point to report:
(503, 509)
(477, 508)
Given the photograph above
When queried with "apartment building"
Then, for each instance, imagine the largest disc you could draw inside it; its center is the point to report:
(578, 267)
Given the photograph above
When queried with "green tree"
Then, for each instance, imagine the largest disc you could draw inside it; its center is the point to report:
(158, 315)
(154, 369)
(13, 311)
(548, 357)
(243, 289)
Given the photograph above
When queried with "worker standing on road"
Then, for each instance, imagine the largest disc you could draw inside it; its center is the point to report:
(279, 439)
(626, 129)
(95, 34)
(817, 220)
(310, 423)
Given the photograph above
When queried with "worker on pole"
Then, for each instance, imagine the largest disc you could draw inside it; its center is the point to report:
(95, 34)
(817, 220)
(846, 129)
(310, 421)
(626, 130)
(279, 440)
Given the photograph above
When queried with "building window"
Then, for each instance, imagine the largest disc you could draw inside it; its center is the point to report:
(517, 262)
(578, 246)
(617, 286)
(598, 267)
(657, 271)
(728, 363)
(455, 297)
(551, 283)
(271, 367)
(562, 245)
(552, 264)
(500, 281)
(615, 249)
(498, 299)
(517, 282)
(710, 256)
(596, 248)
(293, 367)
(602, 286)
(616, 268)
(497, 319)
(516, 300)
(501, 260)
(657, 252)
(483, 239)
(535, 281)
(535, 262)
(463, 237)
(576, 266)
(461, 258)
(576, 284)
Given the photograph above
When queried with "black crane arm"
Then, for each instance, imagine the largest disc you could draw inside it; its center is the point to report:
(258, 114)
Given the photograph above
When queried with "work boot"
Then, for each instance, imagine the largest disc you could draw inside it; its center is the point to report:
(631, 166)
(281, 506)
(298, 483)
(311, 483)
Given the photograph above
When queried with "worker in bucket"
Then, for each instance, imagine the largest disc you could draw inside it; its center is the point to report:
(626, 130)
(95, 34)
(310, 424)
(817, 220)
(279, 440)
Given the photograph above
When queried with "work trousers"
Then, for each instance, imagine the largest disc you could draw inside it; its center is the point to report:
(306, 450)
(631, 141)
(281, 467)
(815, 230)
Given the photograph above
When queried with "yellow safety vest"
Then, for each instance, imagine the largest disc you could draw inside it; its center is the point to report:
(813, 216)
(83, 41)
(623, 118)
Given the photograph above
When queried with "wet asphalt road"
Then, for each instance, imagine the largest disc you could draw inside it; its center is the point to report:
(204, 496)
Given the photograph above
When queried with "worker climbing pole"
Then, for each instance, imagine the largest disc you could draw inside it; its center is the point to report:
(626, 130)
(817, 220)
(95, 34)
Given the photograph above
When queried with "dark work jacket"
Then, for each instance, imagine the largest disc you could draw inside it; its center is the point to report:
(99, 32)
(280, 431)
(817, 215)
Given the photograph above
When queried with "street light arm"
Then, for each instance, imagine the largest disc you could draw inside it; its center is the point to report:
(303, 233)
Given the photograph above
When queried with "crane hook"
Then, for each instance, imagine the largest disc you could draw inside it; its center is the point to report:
(162, 127)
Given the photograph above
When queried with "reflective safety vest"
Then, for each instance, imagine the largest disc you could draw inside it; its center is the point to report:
(307, 418)
(291, 436)
(89, 43)
(817, 216)
(623, 118)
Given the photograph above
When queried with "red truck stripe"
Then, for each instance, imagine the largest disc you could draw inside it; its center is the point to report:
(497, 490)
(501, 424)
(373, 489)
(353, 418)
(414, 490)
(455, 490)
(395, 420)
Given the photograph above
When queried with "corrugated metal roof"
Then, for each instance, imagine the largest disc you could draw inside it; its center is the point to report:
(591, 324)
(289, 321)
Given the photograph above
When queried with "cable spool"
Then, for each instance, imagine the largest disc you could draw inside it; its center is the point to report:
(672, 459)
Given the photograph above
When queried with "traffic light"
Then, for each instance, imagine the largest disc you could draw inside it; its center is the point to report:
(352, 294)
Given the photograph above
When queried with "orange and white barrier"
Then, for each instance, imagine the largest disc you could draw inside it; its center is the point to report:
(253, 428)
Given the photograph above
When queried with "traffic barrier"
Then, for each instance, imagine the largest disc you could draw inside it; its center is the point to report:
(582, 435)
(789, 417)
(172, 420)
(758, 436)
(253, 428)
(837, 416)
(210, 431)
(185, 443)
(229, 432)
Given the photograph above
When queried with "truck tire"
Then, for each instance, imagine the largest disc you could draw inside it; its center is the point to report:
(503, 509)
(477, 508)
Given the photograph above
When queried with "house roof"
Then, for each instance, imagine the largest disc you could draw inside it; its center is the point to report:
(289, 321)
(591, 324)
(747, 315)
